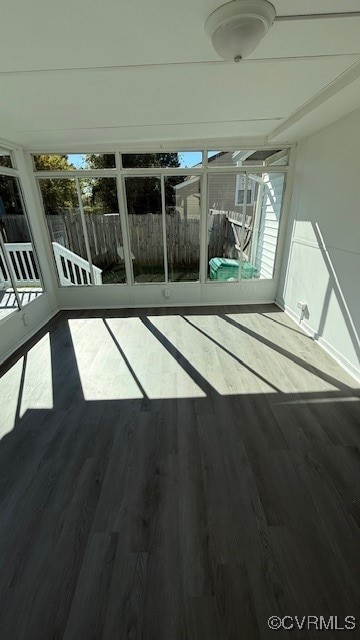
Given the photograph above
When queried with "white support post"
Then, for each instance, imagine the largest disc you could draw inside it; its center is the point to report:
(86, 238)
(204, 258)
(163, 219)
(242, 234)
(125, 232)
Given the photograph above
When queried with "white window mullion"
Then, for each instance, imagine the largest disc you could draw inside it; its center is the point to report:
(243, 229)
(86, 237)
(204, 213)
(163, 211)
(124, 219)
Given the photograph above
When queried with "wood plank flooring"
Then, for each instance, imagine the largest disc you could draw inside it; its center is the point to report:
(176, 474)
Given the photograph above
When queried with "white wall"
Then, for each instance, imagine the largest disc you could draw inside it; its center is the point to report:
(13, 331)
(321, 264)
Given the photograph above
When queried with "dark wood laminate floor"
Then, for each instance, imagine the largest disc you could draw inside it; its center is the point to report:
(179, 474)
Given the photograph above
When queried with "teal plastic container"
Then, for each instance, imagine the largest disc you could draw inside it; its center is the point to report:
(227, 269)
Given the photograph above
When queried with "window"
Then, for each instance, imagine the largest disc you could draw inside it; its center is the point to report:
(166, 160)
(145, 222)
(240, 236)
(240, 190)
(73, 161)
(5, 159)
(183, 217)
(20, 278)
(140, 215)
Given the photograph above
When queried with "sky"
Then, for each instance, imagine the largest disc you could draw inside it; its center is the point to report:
(187, 158)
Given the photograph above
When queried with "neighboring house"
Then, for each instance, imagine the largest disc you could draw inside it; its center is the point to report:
(226, 194)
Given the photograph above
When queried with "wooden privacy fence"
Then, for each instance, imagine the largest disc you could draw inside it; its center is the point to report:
(146, 236)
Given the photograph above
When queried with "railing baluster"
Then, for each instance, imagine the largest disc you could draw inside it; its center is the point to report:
(4, 274)
(32, 273)
(80, 272)
(66, 272)
(23, 266)
(14, 259)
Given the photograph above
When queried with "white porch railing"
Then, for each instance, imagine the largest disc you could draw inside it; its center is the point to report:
(21, 258)
(72, 268)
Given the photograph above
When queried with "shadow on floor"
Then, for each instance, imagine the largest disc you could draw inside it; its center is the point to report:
(176, 518)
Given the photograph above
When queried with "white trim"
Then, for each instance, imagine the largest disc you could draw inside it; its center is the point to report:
(76, 173)
(321, 341)
(179, 305)
(120, 189)
(146, 146)
(204, 214)
(6, 171)
(6, 145)
(85, 231)
(341, 82)
(243, 228)
(163, 224)
(250, 169)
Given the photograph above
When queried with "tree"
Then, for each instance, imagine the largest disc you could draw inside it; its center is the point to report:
(143, 194)
(57, 194)
(100, 193)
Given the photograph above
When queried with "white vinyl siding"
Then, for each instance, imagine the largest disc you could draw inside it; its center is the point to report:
(269, 224)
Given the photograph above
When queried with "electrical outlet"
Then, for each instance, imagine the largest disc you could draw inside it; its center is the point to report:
(167, 293)
(301, 305)
(25, 319)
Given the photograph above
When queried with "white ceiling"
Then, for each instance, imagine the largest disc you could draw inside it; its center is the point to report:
(74, 74)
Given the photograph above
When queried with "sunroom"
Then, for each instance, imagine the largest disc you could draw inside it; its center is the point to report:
(179, 319)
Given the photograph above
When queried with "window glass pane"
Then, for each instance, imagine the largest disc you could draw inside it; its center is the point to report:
(73, 161)
(63, 219)
(181, 159)
(247, 157)
(143, 196)
(103, 225)
(183, 207)
(19, 265)
(5, 159)
(248, 238)
(189, 159)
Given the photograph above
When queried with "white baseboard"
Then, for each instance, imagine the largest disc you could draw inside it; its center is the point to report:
(241, 303)
(324, 344)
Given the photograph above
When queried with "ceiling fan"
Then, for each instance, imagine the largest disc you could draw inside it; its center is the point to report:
(237, 27)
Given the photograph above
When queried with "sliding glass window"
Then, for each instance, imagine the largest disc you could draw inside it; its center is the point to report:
(103, 225)
(243, 224)
(145, 221)
(183, 218)
(144, 213)
(66, 230)
(20, 279)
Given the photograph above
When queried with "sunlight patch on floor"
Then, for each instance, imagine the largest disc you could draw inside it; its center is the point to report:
(103, 373)
(158, 372)
(9, 397)
(271, 351)
(119, 359)
(37, 391)
(203, 347)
